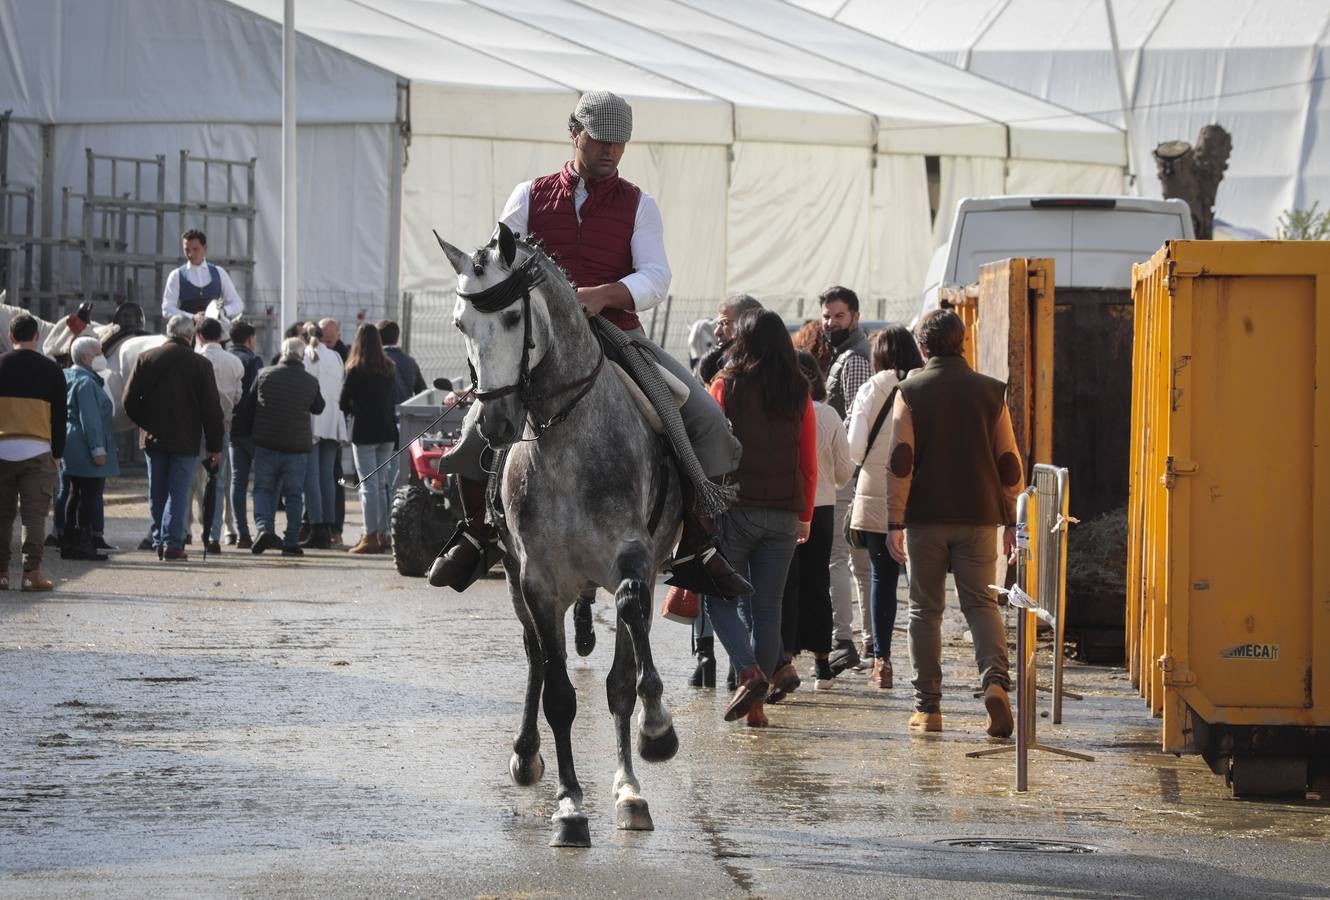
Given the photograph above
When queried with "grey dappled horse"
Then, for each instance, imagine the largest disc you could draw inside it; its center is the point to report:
(583, 477)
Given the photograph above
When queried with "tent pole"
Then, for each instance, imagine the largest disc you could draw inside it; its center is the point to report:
(290, 309)
(1133, 172)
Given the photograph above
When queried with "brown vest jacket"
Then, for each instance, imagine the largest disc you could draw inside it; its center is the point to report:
(769, 474)
(955, 412)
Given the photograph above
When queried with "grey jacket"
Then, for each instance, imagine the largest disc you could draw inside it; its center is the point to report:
(277, 411)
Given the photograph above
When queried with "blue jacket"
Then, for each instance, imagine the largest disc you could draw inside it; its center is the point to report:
(88, 425)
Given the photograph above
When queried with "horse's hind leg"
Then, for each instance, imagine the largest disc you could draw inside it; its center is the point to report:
(630, 809)
(570, 823)
(657, 740)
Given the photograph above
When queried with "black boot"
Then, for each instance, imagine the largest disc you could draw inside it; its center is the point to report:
(79, 546)
(584, 632)
(468, 553)
(320, 538)
(699, 566)
(705, 673)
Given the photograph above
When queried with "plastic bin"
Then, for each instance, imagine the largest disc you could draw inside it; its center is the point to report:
(1228, 599)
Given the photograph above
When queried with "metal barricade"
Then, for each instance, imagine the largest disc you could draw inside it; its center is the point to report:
(1041, 546)
(1050, 485)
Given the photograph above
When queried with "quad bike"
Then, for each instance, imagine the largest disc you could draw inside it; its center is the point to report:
(426, 508)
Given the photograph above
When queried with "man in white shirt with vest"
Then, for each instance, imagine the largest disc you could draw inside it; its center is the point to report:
(190, 288)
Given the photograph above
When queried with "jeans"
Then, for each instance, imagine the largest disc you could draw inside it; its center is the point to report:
(376, 490)
(26, 487)
(339, 504)
(321, 482)
(242, 460)
(886, 572)
(971, 551)
(170, 476)
(759, 543)
(850, 573)
(278, 472)
(62, 500)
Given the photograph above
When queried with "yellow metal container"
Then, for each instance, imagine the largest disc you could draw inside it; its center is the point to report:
(1228, 607)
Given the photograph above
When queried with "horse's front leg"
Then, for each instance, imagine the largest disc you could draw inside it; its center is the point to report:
(570, 823)
(630, 808)
(526, 765)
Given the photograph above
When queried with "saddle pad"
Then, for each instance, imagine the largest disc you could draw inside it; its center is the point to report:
(643, 404)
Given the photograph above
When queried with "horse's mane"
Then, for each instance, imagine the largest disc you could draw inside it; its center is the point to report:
(561, 287)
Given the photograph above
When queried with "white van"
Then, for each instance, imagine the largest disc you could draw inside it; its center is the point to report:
(1093, 240)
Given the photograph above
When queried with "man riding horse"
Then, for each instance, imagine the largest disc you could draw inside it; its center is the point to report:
(198, 284)
(607, 235)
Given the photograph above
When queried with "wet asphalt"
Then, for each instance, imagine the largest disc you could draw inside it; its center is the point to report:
(258, 726)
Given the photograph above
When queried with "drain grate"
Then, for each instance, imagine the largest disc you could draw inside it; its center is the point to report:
(1018, 845)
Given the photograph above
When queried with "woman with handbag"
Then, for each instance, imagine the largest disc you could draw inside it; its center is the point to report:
(767, 400)
(895, 355)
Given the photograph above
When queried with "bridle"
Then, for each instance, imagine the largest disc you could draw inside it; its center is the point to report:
(496, 297)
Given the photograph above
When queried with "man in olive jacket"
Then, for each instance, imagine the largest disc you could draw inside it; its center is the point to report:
(953, 475)
(276, 413)
(172, 395)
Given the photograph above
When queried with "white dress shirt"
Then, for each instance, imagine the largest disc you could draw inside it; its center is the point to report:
(199, 276)
(649, 281)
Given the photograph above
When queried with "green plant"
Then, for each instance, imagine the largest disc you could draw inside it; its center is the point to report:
(1304, 224)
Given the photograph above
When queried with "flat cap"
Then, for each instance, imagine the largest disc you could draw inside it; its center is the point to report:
(605, 117)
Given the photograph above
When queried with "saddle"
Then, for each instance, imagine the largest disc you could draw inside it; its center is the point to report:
(677, 388)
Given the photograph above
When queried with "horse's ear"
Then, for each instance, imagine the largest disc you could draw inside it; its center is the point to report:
(503, 236)
(456, 257)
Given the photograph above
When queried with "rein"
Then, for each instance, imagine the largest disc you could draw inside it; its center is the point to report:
(496, 297)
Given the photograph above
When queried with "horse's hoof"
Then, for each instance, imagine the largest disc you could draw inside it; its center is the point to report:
(526, 772)
(658, 749)
(571, 831)
(633, 815)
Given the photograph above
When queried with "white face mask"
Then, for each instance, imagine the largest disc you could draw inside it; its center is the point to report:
(99, 363)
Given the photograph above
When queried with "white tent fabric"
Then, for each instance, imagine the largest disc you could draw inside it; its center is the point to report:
(787, 151)
(1257, 68)
(158, 76)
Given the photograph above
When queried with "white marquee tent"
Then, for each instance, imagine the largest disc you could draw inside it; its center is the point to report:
(1258, 68)
(788, 151)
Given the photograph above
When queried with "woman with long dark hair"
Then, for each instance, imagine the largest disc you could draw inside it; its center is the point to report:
(895, 355)
(369, 397)
(766, 398)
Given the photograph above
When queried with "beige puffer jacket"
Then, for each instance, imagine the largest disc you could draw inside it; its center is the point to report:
(869, 512)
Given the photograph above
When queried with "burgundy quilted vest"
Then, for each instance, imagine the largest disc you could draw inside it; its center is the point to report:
(599, 250)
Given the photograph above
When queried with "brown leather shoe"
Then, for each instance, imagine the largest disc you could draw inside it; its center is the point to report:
(783, 681)
(174, 555)
(881, 676)
(928, 721)
(368, 543)
(752, 687)
(33, 580)
(999, 723)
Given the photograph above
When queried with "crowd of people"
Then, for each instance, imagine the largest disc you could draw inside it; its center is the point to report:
(218, 429)
(849, 438)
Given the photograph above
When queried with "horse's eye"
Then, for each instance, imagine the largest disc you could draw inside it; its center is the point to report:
(511, 319)
(457, 323)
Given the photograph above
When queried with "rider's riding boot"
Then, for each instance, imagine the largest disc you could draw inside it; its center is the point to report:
(698, 564)
(464, 558)
(584, 633)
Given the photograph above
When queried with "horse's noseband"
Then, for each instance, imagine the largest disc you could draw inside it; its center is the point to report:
(496, 297)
